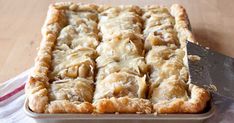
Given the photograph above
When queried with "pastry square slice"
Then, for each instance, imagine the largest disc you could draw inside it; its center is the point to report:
(63, 77)
(120, 19)
(121, 92)
(124, 52)
(70, 95)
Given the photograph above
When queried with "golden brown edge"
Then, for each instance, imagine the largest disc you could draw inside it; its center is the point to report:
(182, 24)
(195, 104)
(36, 87)
(65, 106)
(123, 105)
(199, 96)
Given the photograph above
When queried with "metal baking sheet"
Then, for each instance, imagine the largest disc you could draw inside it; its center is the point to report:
(120, 118)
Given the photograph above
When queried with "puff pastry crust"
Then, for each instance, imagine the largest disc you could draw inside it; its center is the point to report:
(104, 59)
(170, 88)
(121, 80)
(63, 76)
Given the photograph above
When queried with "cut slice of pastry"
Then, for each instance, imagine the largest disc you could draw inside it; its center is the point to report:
(62, 80)
(119, 85)
(121, 45)
(73, 63)
(114, 20)
(132, 65)
(121, 89)
(170, 88)
(72, 92)
(75, 90)
(121, 80)
(164, 62)
(159, 27)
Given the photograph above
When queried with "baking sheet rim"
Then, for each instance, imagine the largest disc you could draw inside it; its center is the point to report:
(201, 116)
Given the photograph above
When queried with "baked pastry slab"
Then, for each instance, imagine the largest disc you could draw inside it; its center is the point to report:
(121, 78)
(63, 76)
(103, 59)
(166, 32)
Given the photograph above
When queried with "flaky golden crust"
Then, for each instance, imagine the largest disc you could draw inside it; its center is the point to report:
(198, 96)
(196, 104)
(38, 84)
(182, 24)
(75, 6)
(123, 105)
(36, 88)
(169, 93)
(64, 106)
(37, 95)
(120, 81)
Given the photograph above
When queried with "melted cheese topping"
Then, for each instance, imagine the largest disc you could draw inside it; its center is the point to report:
(78, 90)
(168, 74)
(73, 63)
(73, 36)
(169, 89)
(121, 45)
(73, 58)
(119, 19)
(119, 85)
(73, 55)
(131, 65)
(159, 27)
(121, 62)
(165, 62)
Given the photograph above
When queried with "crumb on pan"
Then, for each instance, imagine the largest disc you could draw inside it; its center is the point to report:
(194, 58)
(211, 88)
